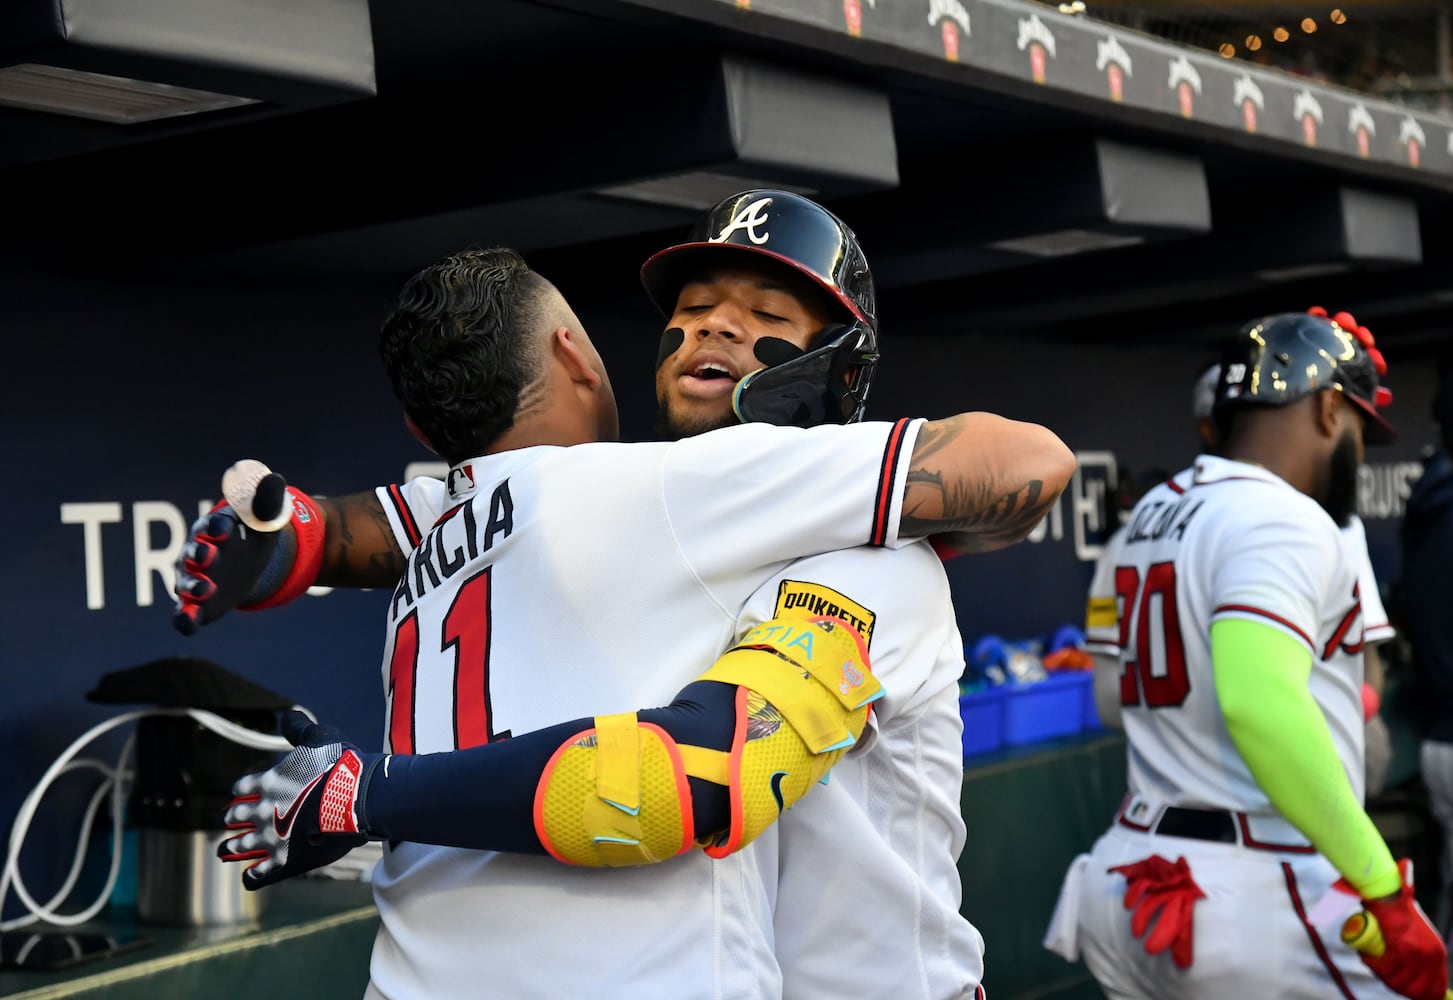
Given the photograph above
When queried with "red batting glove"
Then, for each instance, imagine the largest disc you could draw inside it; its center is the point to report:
(1415, 960)
(1156, 886)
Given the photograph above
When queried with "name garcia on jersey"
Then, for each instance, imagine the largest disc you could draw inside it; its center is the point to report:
(456, 539)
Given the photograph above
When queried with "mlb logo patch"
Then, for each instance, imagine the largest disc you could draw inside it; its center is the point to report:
(461, 479)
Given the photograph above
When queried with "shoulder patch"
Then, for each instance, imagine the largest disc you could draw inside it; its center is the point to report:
(800, 599)
(1102, 612)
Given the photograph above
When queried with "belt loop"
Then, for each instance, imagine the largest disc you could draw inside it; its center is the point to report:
(1145, 817)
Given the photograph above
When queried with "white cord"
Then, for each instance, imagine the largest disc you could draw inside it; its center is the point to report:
(115, 785)
(47, 913)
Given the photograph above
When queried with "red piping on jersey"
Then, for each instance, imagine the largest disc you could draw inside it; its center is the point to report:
(448, 514)
(405, 516)
(887, 474)
(1229, 479)
(1370, 630)
(1247, 840)
(1312, 935)
(1124, 821)
(1175, 486)
(1267, 614)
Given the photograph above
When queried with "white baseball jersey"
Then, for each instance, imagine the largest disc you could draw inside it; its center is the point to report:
(871, 857)
(1102, 631)
(636, 560)
(1221, 540)
(1190, 557)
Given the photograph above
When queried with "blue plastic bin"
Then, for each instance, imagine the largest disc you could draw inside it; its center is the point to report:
(983, 715)
(1091, 719)
(1044, 710)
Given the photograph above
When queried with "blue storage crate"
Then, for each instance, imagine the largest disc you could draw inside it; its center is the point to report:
(1091, 719)
(1045, 710)
(983, 715)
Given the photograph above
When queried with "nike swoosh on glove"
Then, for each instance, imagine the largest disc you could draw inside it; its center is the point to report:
(303, 813)
(1163, 892)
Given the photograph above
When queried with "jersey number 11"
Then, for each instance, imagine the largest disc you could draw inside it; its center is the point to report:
(465, 634)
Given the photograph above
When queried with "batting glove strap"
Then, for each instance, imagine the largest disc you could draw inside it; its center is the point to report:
(309, 532)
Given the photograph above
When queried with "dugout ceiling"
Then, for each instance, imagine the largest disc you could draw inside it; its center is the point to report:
(1009, 168)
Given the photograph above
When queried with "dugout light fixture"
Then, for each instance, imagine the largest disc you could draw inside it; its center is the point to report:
(1339, 229)
(761, 125)
(99, 97)
(1301, 272)
(1065, 242)
(1081, 196)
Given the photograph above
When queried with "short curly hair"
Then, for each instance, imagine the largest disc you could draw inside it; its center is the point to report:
(461, 348)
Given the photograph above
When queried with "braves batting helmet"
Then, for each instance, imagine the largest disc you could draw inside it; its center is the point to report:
(829, 381)
(1282, 358)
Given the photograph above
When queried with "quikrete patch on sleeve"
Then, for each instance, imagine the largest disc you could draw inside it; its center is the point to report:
(800, 599)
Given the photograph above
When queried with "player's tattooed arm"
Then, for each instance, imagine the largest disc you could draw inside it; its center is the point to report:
(979, 482)
(359, 549)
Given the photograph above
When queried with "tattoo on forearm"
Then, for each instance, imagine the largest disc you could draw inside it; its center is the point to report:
(992, 512)
(982, 512)
(361, 550)
(390, 561)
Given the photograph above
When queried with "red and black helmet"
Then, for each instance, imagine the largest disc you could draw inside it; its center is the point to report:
(799, 233)
(1278, 359)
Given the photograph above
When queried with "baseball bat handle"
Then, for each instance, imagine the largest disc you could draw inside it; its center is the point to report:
(257, 494)
(1362, 932)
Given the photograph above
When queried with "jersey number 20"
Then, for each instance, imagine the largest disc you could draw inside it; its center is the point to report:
(465, 632)
(1156, 670)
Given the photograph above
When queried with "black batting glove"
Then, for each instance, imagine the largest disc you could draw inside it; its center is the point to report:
(224, 561)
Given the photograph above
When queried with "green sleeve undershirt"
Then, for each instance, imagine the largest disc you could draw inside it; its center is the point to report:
(1262, 684)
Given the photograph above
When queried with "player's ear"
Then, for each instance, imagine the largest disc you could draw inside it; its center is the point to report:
(1327, 412)
(574, 353)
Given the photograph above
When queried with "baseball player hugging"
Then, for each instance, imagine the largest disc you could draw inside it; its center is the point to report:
(1242, 845)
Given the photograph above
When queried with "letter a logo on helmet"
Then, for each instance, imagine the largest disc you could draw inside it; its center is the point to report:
(748, 219)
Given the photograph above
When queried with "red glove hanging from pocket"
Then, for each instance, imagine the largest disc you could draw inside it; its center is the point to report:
(1157, 886)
